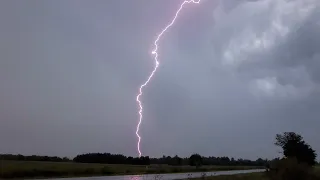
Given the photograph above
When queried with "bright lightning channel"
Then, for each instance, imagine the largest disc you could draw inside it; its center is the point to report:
(155, 53)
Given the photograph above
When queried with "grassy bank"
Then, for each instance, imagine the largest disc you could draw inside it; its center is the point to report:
(33, 169)
(249, 176)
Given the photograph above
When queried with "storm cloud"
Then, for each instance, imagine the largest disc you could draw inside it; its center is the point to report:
(232, 75)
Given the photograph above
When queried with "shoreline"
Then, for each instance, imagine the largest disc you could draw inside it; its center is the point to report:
(49, 170)
(219, 173)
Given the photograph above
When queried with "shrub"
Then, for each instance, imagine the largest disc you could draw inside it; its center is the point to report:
(290, 169)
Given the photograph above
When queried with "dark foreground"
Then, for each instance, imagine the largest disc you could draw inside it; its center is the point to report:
(34, 169)
(249, 176)
(222, 175)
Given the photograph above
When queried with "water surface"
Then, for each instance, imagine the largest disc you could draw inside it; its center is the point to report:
(164, 176)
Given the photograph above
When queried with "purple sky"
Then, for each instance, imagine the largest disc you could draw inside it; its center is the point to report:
(233, 73)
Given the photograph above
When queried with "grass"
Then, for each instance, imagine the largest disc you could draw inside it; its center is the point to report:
(34, 169)
(249, 176)
(317, 170)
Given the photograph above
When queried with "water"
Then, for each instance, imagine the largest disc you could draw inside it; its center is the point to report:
(164, 176)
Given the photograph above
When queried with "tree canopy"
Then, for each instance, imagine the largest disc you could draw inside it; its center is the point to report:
(195, 160)
(294, 146)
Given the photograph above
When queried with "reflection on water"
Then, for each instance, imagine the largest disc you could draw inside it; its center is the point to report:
(165, 176)
(146, 177)
(136, 177)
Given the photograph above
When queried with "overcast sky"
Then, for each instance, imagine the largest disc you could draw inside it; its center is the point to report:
(233, 73)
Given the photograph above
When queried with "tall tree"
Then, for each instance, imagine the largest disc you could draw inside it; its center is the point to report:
(293, 145)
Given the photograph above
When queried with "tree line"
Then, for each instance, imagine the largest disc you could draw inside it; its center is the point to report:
(20, 157)
(292, 144)
(196, 159)
(176, 160)
(108, 158)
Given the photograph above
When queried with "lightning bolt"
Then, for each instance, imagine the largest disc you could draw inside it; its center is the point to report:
(155, 53)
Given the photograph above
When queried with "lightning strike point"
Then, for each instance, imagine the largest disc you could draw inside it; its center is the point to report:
(155, 53)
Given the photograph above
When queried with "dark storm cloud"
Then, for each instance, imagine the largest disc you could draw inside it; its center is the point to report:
(248, 89)
(232, 73)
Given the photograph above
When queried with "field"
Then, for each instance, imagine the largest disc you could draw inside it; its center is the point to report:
(34, 169)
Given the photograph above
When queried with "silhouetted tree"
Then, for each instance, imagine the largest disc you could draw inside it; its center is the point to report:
(20, 157)
(107, 158)
(195, 160)
(293, 146)
(175, 161)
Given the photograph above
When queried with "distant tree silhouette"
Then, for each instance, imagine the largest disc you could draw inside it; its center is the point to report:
(107, 158)
(294, 146)
(20, 157)
(176, 160)
(195, 160)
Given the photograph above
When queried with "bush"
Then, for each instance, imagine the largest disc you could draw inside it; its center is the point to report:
(290, 169)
